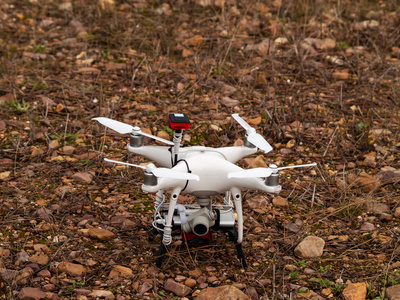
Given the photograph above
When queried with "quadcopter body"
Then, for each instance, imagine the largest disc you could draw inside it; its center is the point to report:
(202, 172)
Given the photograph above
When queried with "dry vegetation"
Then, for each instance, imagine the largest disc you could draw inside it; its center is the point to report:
(318, 79)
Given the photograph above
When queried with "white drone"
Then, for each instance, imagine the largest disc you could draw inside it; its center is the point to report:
(202, 172)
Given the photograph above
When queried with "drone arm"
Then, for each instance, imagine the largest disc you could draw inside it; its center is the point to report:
(167, 239)
(237, 196)
(159, 154)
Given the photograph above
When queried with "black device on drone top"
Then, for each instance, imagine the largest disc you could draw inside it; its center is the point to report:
(178, 121)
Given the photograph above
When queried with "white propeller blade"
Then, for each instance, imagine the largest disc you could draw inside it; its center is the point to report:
(251, 173)
(124, 128)
(263, 172)
(298, 166)
(252, 136)
(117, 126)
(124, 163)
(160, 172)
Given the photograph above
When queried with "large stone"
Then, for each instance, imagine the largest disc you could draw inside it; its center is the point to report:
(355, 291)
(393, 292)
(120, 272)
(222, 293)
(101, 234)
(29, 293)
(311, 246)
(72, 269)
(178, 289)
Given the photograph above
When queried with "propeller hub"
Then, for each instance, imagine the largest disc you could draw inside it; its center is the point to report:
(274, 168)
(136, 130)
(150, 168)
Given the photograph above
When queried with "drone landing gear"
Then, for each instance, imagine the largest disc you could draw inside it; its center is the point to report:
(233, 236)
(232, 233)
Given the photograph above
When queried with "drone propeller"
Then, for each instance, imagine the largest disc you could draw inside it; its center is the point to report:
(124, 128)
(252, 136)
(160, 172)
(263, 172)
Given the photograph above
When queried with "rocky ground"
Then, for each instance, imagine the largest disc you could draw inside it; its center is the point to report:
(318, 79)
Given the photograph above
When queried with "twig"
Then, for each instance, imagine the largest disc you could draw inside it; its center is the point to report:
(313, 196)
(66, 126)
(333, 135)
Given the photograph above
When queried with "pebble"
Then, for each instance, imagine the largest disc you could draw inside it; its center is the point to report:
(393, 292)
(120, 272)
(178, 289)
(29, 293)
(311, 246)
(190, 282)
(355, 291)
(195, 273)
(84, 177)
(367, 227)
(222, 292)
(72, 269)
(279, 201)
(101, 234)
(102, 294)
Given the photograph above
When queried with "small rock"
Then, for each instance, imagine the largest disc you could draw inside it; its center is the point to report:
(355, 291)
(376, 207)
(83, 177)
(379, 132)
(195, 273)
(68, 150)
(190, 282)
(72, 269)
(388, 175)
(4, 175)
(102, 294)
(364, 181)
(320, 44)
(40, 258)
(54, 144)
(107, 5)
(370, 24)
(367, 227)
(145, 287)
(101, 234)
(370, 161)
(229, 102)
(279, 201)
(255, 121)
(222, 293)
(7, 275)
(292, 227)
(393, 292)
(21, 257)
(259, 202)
(397, 212)
(120, 272)
(178, 289)
(66, 6)
(311, 246)
(258, 162)
(341, 75)
(44, 274)
(29, 293)
(164, 135)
